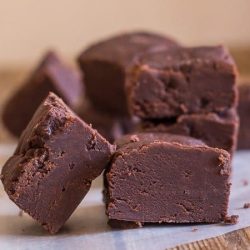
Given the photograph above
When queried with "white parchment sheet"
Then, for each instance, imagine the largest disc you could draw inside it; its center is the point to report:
(87, 228)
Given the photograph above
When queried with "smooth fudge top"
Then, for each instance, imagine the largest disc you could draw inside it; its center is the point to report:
(138, 140)
(124, 47)
(57, 157)
(182, 81)
(181, 56)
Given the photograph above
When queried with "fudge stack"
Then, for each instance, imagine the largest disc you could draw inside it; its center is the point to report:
(188, 91)
(175, 167)
(169, 89)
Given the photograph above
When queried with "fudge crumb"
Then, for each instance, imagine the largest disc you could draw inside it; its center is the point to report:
(231, 220)
(194, 229)
(246, 205)
(20, 213)
(245, 182)
(222, 160)
(134, 138)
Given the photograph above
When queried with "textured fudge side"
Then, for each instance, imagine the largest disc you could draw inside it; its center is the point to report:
(108, 125)
(244, 113)
(52, 168)
(215, 131)
(50, 75)
(156, 178)
(105, 65)
(182, 81)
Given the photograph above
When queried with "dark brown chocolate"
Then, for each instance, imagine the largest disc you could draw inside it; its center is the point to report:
(246, 205)
(50, 75)
(106, 63)
(182, 81)
(156, 178)
(216, 131)
(57, 157)
(244, 113)
(231, 220)
(108, 125)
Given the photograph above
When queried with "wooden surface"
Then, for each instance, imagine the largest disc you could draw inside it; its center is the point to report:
(237, 240)
(10, 79)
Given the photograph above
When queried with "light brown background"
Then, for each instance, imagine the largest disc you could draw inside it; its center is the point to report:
(28, 27)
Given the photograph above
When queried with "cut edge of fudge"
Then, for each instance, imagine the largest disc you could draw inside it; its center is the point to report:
(200, 126)
(25, 173)
(158, 80)
(127, 146)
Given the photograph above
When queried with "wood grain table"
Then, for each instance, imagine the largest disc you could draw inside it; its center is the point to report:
(10, 79)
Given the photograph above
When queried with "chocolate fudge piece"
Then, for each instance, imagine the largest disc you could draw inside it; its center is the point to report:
(50, 75)
(105, 65)
(156, 178)
(216, 131)
(57, 157)
(244, 113)
(182, 81)
(108, 125)
(231, 220)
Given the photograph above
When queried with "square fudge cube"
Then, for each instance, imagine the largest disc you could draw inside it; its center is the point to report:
(57, 157)
(216, 131)
(105, 65)
(50, 75)
(178, 81)
(164, 178)
(244, 113)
